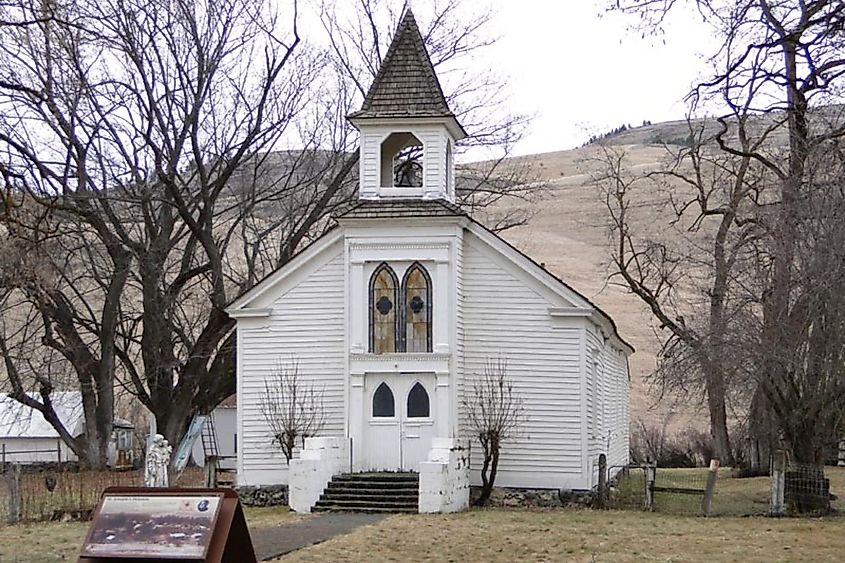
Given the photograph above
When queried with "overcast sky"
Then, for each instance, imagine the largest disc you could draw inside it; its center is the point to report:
(580, 71)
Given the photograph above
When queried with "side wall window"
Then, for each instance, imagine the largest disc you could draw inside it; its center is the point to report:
(384, 321)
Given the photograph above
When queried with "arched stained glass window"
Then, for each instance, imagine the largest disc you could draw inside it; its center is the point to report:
(418, 404)
(383, 406)
(415, 324)
(384, 288)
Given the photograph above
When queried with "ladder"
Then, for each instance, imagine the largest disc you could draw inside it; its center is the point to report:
(209, 440)
(212, 456)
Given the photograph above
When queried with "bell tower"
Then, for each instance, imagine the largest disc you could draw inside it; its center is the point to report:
(407, 130)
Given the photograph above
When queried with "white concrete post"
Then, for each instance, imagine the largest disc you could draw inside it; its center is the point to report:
(444, 478)
(319, 461)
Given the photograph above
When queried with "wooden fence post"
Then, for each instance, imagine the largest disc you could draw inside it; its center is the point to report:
(15, 495)
(650, 477)
(602, 492)
(710, 487)
(777, 507)
(210, 472)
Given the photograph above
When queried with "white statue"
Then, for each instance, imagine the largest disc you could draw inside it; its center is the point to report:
(157, 463)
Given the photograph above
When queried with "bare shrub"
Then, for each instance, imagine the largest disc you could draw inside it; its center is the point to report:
(653, 443)
(495, 413)
(292, 407)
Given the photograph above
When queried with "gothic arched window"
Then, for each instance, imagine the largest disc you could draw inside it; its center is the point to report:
(384, 325)
(383, 405)
(415, 322)
(418, 403)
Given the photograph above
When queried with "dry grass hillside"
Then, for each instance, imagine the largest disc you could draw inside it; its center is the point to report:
(569, 233)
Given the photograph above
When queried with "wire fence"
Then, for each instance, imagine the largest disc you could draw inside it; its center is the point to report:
(30, 493)
(627, 488)
(806, 489)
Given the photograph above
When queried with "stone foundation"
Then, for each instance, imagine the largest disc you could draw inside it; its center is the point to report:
(268, 495)
(505, 497)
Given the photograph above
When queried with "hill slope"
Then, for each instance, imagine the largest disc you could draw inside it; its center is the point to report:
(569, 233)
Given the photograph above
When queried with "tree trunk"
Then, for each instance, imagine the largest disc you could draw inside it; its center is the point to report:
(715, 389)
(486, 484)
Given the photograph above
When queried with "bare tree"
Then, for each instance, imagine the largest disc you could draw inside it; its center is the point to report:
(292, 407)
(50, 338)
(140, 148)
(780, 59)
(681, 237)
(495, 414)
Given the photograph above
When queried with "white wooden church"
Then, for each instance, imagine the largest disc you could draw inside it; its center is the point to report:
(400, 306)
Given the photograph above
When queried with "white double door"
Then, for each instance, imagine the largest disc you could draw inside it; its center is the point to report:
(399, 420)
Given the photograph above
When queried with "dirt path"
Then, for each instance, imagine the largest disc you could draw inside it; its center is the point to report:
(275, 541)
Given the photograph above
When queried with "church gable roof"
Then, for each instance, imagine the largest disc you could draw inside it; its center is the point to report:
(406, 84)
(244, 304)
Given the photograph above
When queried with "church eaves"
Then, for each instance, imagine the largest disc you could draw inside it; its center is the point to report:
(406, 85)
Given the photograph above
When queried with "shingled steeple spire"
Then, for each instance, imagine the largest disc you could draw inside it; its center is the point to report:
(406, 84)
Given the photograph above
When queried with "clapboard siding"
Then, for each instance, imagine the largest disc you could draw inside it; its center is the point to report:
(608, 391)
(306, 326)
(369, 166)
(503, 316)
(619, 399)
(595, 396)
(460, 346)
(434, 160)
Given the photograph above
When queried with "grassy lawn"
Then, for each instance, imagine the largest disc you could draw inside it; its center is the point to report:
(551, 535)
(583, 535)
(61, 541)
(499, 535)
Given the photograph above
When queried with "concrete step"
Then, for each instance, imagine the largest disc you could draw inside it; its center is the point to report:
(370, 485)
(377, 477)
(371, 492)
(374, 497)
(381, 510)
(357, 492)
(368, 503)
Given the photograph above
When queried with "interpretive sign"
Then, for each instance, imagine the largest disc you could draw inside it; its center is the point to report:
(170, 524)
(167, 527)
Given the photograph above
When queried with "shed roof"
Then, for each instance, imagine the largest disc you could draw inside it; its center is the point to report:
(406, 84)
(20, 421)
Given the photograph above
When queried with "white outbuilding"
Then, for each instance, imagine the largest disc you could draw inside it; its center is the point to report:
(27, 438)
(397, 310)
